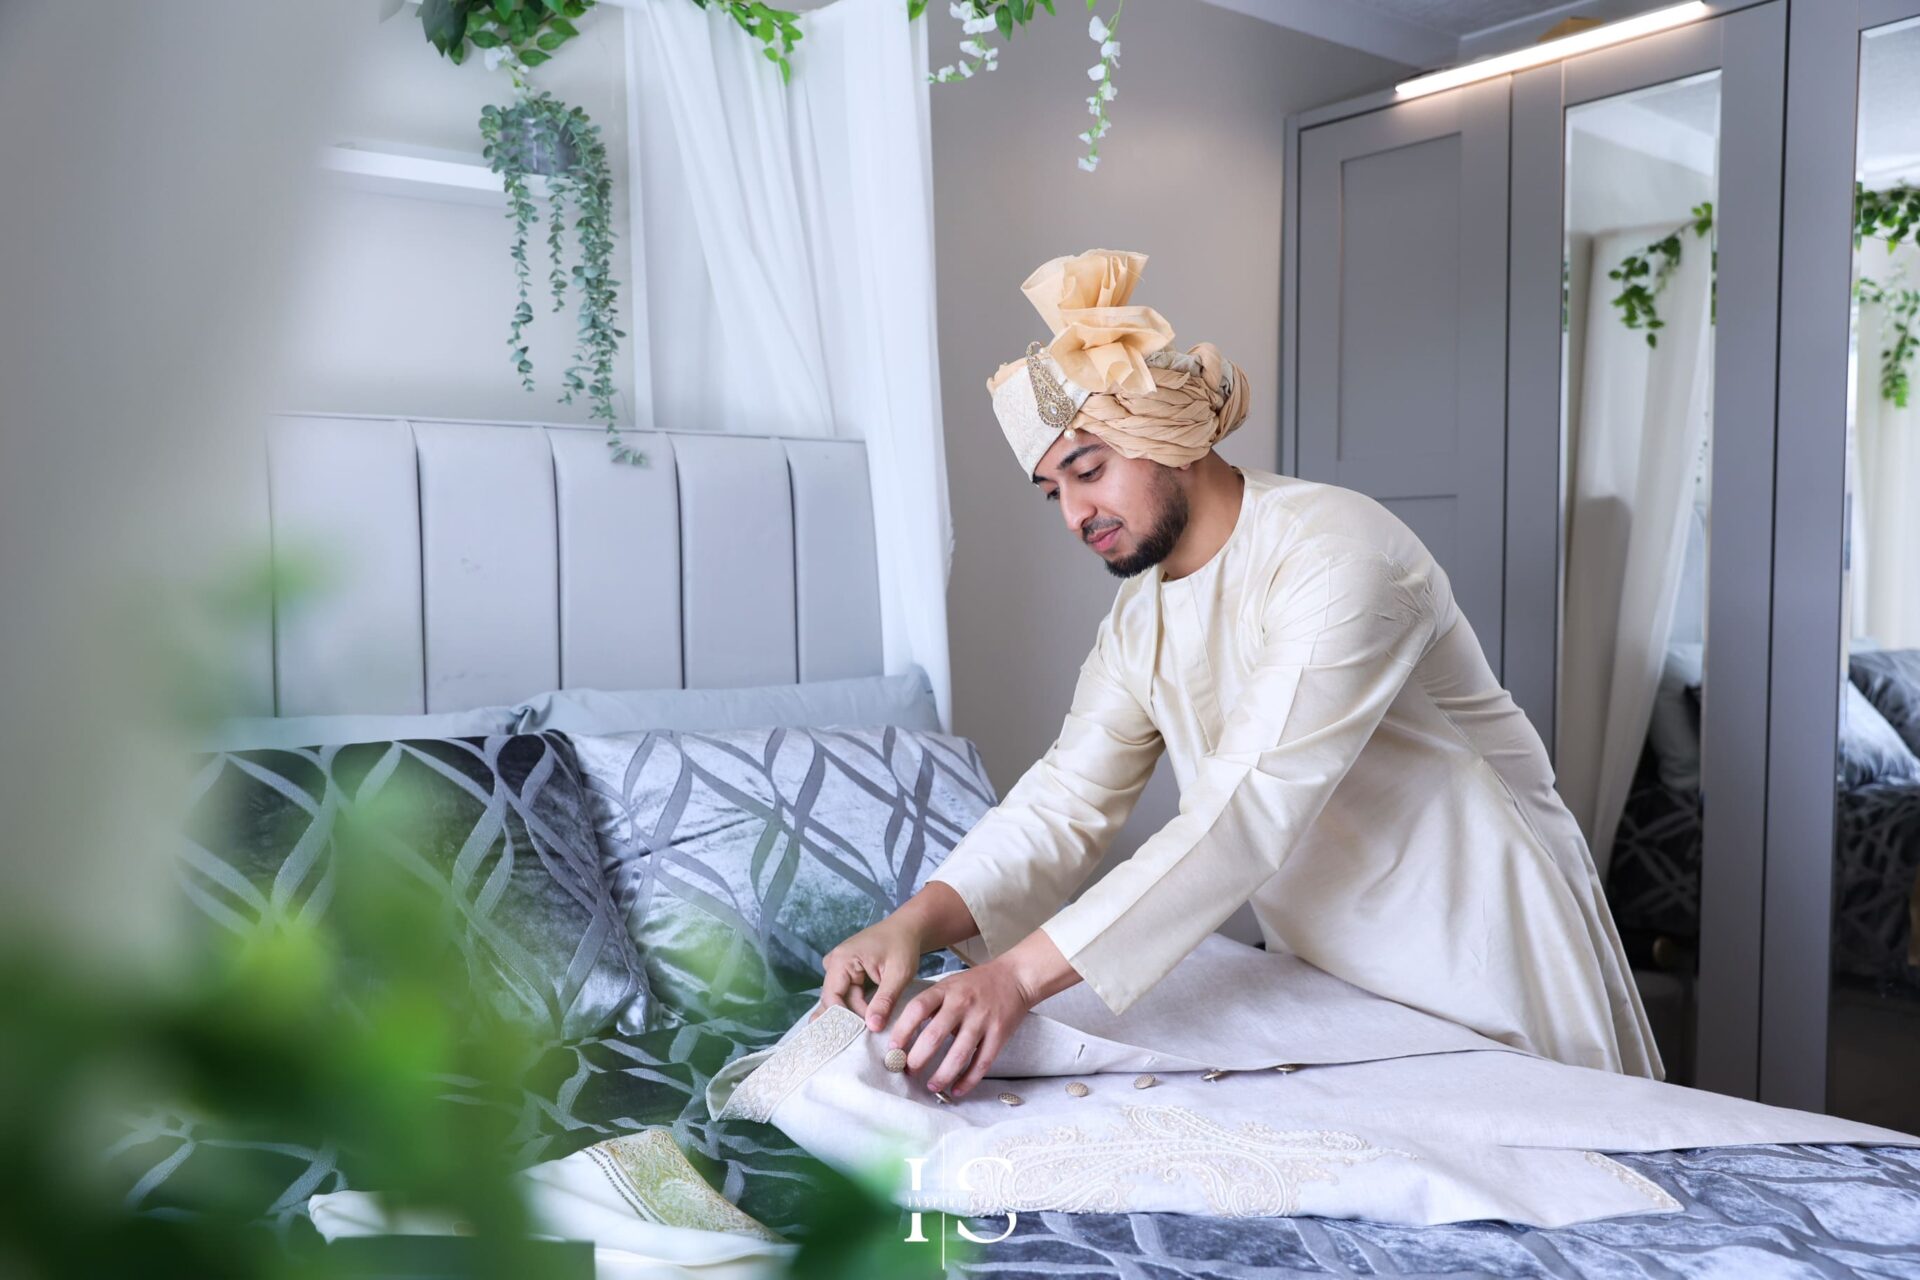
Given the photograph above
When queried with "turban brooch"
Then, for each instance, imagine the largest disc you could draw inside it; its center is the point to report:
(1108, 370)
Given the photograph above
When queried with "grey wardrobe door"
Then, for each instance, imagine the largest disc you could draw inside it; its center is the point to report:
(1401, 326)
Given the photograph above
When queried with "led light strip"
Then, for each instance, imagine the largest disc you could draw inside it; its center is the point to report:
(1580, 42)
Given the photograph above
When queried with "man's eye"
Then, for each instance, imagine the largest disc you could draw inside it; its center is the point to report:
(1054, 496)
(1091, 475)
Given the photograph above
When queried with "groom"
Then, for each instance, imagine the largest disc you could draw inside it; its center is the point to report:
(1348, 763)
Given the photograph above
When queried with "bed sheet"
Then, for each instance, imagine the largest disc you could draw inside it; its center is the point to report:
(1750, 1211)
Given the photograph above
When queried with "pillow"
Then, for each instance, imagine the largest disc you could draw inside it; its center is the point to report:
(253, 733)
(740, 858)
(497, 826)
(905, 700)
(1870, 749)
(1891, 680)
(1673, 730)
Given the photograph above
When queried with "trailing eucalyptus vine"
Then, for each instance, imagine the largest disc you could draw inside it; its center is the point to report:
(1644, 274)
(1891, 216)
(539, 135)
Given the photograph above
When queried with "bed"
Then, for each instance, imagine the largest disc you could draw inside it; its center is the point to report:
(736, 567)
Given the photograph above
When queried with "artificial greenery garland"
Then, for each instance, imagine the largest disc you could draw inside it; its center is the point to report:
(1890, 216)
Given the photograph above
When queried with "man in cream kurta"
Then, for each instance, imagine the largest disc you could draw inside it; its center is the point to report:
(1347, 763)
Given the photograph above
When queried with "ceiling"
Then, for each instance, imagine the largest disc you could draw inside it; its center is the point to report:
(1425, 34)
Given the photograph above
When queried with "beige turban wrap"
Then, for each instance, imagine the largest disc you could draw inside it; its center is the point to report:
(1110, 367)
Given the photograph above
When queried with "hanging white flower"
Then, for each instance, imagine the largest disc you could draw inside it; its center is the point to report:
(1098, 71)
(1087, 136)
(963, 12)
(495, 56)
(1089, 162)
(975, 26)
(1108, 92)
(1093, 105)
(1096, 29)
(972, 47)
(1111, 50)
(966, 69)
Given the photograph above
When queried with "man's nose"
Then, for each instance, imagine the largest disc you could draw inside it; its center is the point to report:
(1077, 513)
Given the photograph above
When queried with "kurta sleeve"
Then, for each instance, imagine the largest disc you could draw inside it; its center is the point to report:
(1018, 863)
(1343, 626)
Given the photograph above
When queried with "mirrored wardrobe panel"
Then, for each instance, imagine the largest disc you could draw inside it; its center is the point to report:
(1873, 1066)
(1641, 187)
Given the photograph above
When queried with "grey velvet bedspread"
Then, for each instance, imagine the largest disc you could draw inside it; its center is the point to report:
(1750, 1211)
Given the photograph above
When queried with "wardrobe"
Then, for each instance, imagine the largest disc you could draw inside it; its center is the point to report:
(1599, 331)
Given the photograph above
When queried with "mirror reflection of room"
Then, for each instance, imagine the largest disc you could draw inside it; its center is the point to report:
(1636, 408)
(1874, 1040)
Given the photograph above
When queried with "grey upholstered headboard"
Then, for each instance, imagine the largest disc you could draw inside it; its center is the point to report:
(478, 563)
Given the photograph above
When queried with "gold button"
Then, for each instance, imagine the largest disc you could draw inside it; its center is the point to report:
(1146, 1081)
(1077, 1089)
(1012, 1099)
(1213, 1073)
(896, 1060)
(943, 1097)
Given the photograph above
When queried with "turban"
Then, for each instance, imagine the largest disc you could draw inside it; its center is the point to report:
(1110, 370)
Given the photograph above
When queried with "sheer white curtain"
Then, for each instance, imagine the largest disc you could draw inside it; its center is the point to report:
(784, 248)
(1637, 447)
(1886, 551)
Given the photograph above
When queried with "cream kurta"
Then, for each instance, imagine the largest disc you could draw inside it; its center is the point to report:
(1347, 763)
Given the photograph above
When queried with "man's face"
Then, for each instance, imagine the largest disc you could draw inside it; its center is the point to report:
(1131, 511)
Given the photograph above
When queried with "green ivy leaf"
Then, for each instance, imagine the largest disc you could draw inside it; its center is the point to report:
(564, 27)
(1003, 19)
(444, 21)
(550, 40)
(533, 57)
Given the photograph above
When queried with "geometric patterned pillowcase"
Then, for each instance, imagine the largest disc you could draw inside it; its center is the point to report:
(740, 858)
(496, 827)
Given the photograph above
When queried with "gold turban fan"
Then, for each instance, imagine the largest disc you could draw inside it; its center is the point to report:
(1110, 370)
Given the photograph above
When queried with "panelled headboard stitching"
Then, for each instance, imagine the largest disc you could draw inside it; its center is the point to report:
(469, 564)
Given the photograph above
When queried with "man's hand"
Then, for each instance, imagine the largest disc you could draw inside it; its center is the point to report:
(887, 953)
(978, 1007)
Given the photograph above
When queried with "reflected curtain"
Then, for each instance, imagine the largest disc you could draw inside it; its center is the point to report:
(1885, 567)
(784, 248)
(1639, 427)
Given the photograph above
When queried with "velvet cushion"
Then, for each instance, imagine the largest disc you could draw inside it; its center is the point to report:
(496, 827)
(740, 858)
(1870, 749)
(1891, 680)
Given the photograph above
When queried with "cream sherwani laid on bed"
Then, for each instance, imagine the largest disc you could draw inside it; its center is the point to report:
(1347, 763)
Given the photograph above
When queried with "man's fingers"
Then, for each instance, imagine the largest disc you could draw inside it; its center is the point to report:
(957, 1057)
(833, 987)
(926, 1045)
(857, 998)
(918, 1010)
(891, 985)
(982, 1059)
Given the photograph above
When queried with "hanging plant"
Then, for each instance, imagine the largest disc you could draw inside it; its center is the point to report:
(1643, 275)
(980, 20)
(1891, 216)
(540, 136)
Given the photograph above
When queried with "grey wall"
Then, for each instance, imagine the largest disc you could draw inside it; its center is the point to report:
(1189, 175)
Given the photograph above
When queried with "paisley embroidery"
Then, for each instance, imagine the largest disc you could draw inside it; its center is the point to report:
(768, 1084)
(1246, 1171)
(651, 1174)
(1644, 1185)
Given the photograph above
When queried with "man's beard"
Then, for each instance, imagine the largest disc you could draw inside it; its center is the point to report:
(1169, 522)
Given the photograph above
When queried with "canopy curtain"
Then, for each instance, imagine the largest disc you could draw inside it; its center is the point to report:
(1636, 438)
(1885, 475)
(783, 244)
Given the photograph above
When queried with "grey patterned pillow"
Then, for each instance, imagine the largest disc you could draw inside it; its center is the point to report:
(495, 827)
(740, 858)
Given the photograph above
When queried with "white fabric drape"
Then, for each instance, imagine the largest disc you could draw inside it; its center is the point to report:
(784, 247)
(1638, 455)
(1886, 472)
